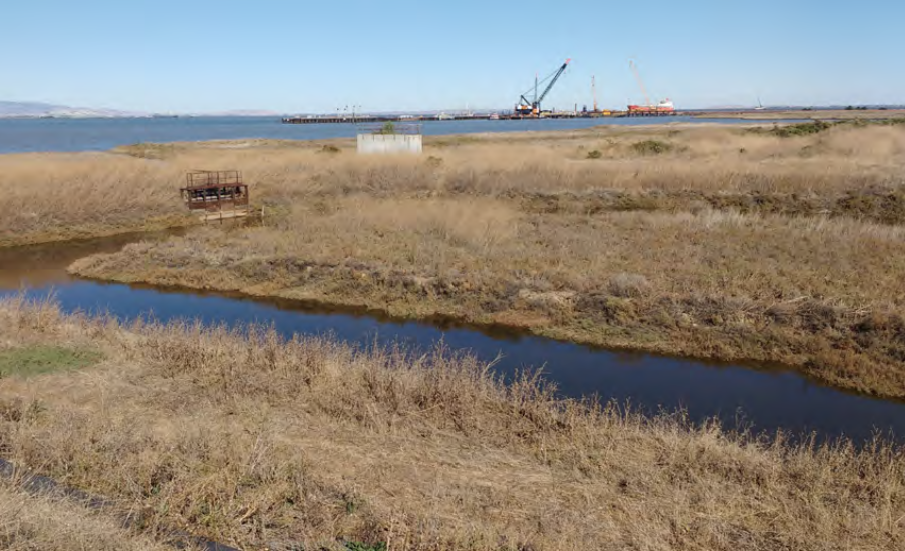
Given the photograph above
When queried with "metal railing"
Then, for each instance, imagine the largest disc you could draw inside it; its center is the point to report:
(206, 178)
(216, 191)
(390, 128)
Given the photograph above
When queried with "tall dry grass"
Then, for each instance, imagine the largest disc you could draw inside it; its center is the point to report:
(823, 294)
(255, 441)
(843, 171)
(47, 197)
(49, 523)
(742, 244)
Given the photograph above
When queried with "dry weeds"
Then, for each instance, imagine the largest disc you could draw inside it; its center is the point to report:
(843, 171)
(752, 245)
(254, 441)
(48, 523)
(822, 294)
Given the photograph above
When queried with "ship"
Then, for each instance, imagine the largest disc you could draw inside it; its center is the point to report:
(664, 107)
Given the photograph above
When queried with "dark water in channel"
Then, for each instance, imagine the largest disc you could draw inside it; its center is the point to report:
(32, 135)
(766, 398)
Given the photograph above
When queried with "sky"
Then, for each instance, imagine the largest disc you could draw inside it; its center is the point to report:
(409, 55)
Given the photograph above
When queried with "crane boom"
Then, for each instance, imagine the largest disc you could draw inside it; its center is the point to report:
(552, 82)
(526, 107)
(631, 63)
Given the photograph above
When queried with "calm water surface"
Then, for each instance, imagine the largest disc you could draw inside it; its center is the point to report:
(768, 399)
(33, 135)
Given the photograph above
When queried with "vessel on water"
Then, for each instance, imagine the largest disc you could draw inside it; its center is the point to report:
(664, 107)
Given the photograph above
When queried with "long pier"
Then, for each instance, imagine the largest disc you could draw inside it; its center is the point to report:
(340, 119)
(360, 119)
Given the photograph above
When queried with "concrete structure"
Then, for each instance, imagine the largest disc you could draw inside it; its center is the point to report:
(389, 143)
(390, 137)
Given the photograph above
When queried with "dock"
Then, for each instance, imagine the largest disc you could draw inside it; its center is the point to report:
(327, 119)
(371, 119)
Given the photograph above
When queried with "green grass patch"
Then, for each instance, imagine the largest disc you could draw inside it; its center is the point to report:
(358, 546)
(388, 129)
(39, 360)
(881, 122)
(156, 151)
(801, 129)
(651, 147)
(817, 126)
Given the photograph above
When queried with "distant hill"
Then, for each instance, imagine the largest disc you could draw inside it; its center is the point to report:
(240, 113)
(30, 109)
(27, 109)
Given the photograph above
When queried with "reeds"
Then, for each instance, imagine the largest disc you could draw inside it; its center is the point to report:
(844, 171)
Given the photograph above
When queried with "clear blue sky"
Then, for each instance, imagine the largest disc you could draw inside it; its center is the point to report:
(295, 56)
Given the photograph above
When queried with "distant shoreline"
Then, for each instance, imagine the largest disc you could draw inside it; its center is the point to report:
(823, 114)
(69, 135)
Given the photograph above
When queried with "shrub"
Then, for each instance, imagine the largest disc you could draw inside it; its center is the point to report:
(800, 129)
(651, 147)
(594, 154)
(387, 129)
(358, 546)
(628, 285)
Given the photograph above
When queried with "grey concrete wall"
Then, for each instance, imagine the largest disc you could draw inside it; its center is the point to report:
(389, 143)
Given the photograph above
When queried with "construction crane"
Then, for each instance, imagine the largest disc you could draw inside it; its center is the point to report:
(533, 108)
(665, 107)
(631, 63)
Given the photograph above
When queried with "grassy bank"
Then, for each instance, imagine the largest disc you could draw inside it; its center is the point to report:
(258, 442)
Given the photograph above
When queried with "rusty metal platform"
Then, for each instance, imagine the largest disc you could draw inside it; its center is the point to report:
(216, 195)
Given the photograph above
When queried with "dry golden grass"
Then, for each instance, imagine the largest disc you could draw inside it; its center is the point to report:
(735, 243)
(822, 294)
(842, 171)
(49, 523)
(253, 441)
(730, 244)
(48, 197)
